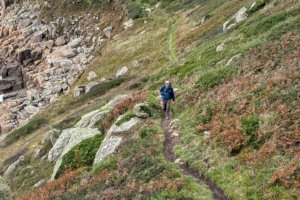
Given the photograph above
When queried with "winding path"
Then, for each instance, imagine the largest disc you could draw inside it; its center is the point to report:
(170, 44)
(171, 141)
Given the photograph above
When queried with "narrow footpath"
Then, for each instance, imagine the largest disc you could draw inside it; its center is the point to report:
(170, 44)
(171, 141)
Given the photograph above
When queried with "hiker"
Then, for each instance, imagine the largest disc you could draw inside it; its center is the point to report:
(167, 94)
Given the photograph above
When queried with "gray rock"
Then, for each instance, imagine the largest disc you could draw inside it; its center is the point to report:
(135, 64)
(241, 15)
(5, 193)
(38, 184)
(89, 86)
(70, 53)
(60, 41)
(74, 43)
(221, 47)
(13, 166)
(107, 31)
(31, 109)
(128, 24)
(78, 90)
(122, 71)
(37, 151)
(51, 136)
(97, 117)
(91, 76)
(68, 139)
(138, 111)
(110, 143)
(113, 102)
(85, 119)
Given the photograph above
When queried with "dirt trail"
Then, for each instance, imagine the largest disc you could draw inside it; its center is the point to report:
(171, 141)
(170, 44)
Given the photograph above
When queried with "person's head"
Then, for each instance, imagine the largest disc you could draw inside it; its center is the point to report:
(167, 83)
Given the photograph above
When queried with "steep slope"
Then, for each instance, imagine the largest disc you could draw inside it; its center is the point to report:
(234, 67)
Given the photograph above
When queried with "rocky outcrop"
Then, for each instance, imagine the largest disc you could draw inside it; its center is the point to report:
(91, 76)
(68, 139)
(5, 193)
(110, 142)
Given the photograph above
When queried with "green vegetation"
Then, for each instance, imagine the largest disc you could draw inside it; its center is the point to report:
(213, 78)
(26, 129)
(250, 126)
(81, 155)
(135, 10)
(126, 118)
(144, 132)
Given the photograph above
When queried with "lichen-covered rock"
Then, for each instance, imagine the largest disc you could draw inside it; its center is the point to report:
(241, 15)
(122, 71)
(13, 166)
(91, 76)
(79, 90)
(110, 143)
(85, 119)
(51, 136)
(97, 117)
(113, 102)
(68, 139)
(135, 64)
(37, 151)
(139, 110)
(5, 193)
(89, 86)
(107, 31)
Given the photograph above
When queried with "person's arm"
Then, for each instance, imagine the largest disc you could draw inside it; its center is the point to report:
(162, 90)
(173, 94)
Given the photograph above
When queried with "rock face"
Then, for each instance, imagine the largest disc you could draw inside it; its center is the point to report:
(139, 110)
(5, 193)
(110, 143)
(51, 136)
(122, 71)
(68, 139)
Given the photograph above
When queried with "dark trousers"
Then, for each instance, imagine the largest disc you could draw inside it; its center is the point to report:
(166, 106)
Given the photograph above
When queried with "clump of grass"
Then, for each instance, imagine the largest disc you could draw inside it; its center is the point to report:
(126, 118)
(24, 130)
(81, 155)
(67, 123)
(135, 10)
(109, 163)
(144, 132)
(259, 4)
(249, 125)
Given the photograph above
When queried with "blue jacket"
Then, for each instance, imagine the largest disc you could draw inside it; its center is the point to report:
(170, 93)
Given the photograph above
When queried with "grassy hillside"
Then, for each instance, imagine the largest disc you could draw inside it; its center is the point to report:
(237, 108)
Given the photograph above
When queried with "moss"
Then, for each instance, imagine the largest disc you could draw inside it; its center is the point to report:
(126, 118)
(26, 129)
(81, 155)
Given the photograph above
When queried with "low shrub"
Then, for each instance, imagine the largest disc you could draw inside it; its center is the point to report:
(24, 130)
(249, 125)
(144, 132)
(109, 163)
(259, 4)
(135, 10)
(81, 155)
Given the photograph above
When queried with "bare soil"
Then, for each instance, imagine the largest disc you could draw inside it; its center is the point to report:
(170, 142)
